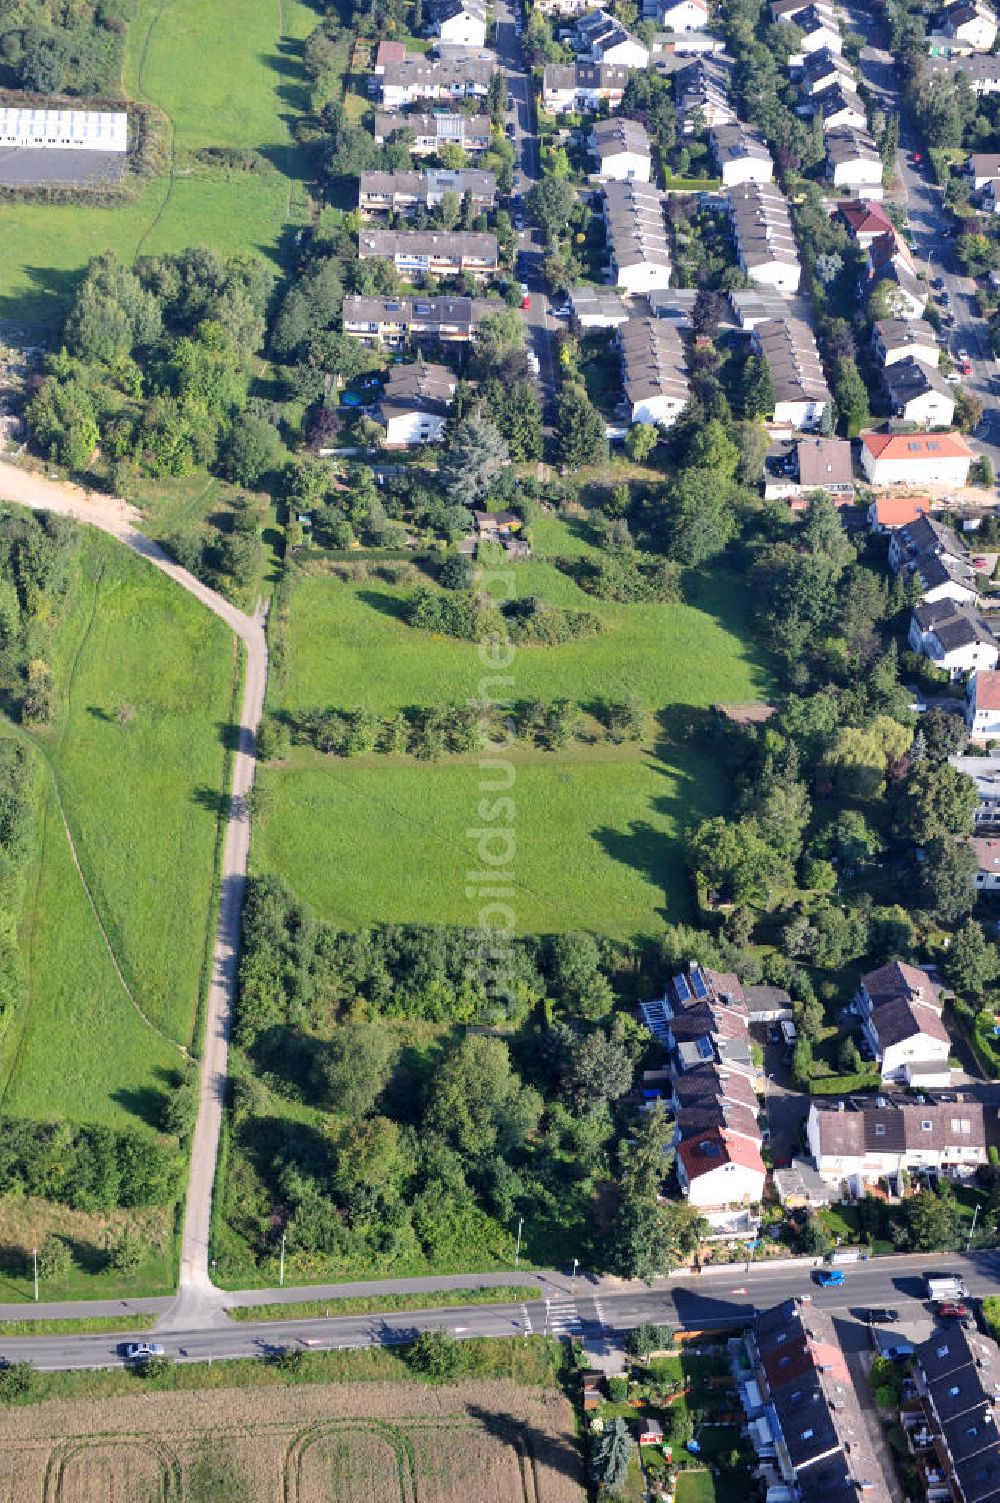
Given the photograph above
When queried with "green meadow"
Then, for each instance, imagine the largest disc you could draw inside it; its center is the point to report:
(596, 827)
(225, 75)
(137, 758)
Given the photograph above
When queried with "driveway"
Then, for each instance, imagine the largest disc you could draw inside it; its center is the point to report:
(786, 1107)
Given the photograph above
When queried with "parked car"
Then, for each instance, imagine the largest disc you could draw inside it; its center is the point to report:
(519, 222)
(510, 100)
(953, 1312)
(937, 282)
(141, 1351)
(953, 378)
(829, 1278)
(510, 129)
(880, 1316)
(916, 158)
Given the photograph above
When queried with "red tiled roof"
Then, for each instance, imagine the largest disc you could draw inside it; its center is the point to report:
(712, 1149)
(899, 511)
(987, 683)
(987, 852)
(865, 217)
(915, 446)
(389, 52)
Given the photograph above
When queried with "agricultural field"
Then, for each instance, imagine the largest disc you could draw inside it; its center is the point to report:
(118, 912)
(226, 76)
(596, 825)
(368, 1443)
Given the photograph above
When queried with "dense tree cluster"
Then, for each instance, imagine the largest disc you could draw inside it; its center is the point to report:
(90, 1168)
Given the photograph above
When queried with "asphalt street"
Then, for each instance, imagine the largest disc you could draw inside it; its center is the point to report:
(538, 318)
(588, 1308)
(929, 222)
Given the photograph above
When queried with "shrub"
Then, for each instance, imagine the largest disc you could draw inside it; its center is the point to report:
(437, 1355)
(16, 1379)
(618, 1389)
(648, 1338)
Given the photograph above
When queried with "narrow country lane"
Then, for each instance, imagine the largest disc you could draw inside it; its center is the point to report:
(197, 1299)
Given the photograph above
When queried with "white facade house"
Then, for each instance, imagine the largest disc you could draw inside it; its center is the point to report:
(582, 86)
(987, 852)
(841, 108)
(900, 1010)
(973, 24)
(683, 15)
(720, 1168)
(461, 22)
(953, 636)
(919, 393)
(638, 247)
(897, 339)
(654, 371)
(855, 1143)
(414, 404)
(801, 395)
(622, 150)
(765, 241)
(819, 30)
(608, 42)
(853, 161)
(63, 130)
(741, 154)
(982, 705)
(915, 458)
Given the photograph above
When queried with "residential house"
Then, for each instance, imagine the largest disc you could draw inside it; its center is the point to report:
(897, 339)
(982, 705)
(682, 15)
(598, 307)
(955, 1435)
(582, 87)
(954, 636)
(414, 404)
(654, 371)
(754, 305)
(768, 1004)
(462, 22)
(560, 8)
(822, 69)
(418, 77)
(981, 71)
(622, 150)
(915, 459)
(388, 52)
(765, 241)
(392, 321)
(857, 1142)
(985, 773)
(853, 161)
(865, 219)
(887, 513)
(841, 108)
(932, 554)
(987, 852)
(801, 395)
(900, 1009)
(919, 393)
(406, 192)
(804, 1416)
(720, 1168)
(703, 1017)
(638, 247)
(741, 154)
(890, 261)
(702, 91)
(428, 133)
(819, 30)
(972, 23)
(983, 167)
(607, 41)
(795, 469)
(435, 253)
(673, 303)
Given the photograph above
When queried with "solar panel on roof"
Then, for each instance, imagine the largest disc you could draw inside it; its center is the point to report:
(682, 989)
(698, 983)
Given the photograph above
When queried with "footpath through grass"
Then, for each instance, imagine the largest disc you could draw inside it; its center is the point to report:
(227, 75)
(377, 1304)
(145, 682)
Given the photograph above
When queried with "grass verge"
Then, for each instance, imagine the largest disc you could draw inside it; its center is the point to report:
(377, 1304)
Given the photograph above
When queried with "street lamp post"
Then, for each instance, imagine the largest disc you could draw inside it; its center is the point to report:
(576, 1264)
(972, 1229)
(520, 1228)
(34, 1260)
(281, 1264)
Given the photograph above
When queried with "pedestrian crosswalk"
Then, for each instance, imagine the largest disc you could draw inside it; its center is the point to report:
(563, 1318)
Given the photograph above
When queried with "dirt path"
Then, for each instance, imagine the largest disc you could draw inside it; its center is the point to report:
(120, 520)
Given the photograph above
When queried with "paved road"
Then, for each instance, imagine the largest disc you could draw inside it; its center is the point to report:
(538, 318)
(592, 1310)
(119, 519)
(928, 221)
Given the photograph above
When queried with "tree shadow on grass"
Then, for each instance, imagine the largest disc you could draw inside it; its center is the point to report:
(214, 800)
(386, 605)
(556, 1452)
(145, 1102)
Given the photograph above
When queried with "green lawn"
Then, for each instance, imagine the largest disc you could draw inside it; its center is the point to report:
(695, 1487)
(142, 803)
(227, 75)
(595, 826)
(348, 645)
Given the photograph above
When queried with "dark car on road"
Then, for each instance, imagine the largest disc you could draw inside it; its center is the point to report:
(880, 1316)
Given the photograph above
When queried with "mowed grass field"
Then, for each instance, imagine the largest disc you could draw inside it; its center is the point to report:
(596, 827)
(226, 75)
(141, 801)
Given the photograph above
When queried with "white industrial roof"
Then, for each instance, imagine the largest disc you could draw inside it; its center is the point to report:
(67, 130)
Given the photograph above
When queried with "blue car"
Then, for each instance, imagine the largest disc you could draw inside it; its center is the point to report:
(828, 1278)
